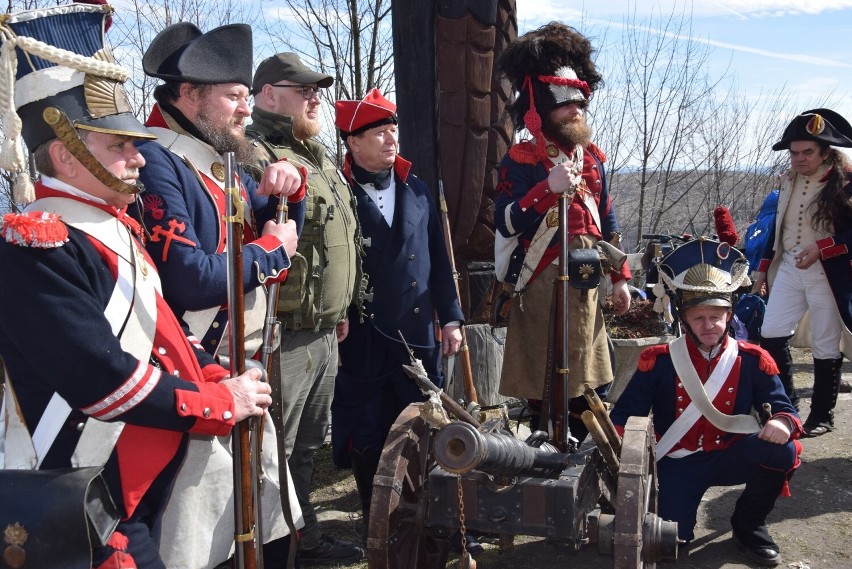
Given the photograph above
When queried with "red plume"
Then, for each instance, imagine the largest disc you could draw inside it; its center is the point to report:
(725, 228)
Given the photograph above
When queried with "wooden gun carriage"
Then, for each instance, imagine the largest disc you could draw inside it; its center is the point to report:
(604, 495)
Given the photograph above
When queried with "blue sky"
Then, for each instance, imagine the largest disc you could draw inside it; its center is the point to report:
(801, 47)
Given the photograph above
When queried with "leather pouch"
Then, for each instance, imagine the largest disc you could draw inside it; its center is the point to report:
(51, 519)
(584, 268)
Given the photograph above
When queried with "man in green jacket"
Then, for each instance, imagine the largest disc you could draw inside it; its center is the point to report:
(323, 279)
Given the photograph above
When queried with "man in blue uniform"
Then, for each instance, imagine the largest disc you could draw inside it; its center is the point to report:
(410, 282)
(93, 352)
(702, 389)
(199, 115)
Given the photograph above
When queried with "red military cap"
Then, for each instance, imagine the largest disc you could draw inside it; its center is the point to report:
(355, 117)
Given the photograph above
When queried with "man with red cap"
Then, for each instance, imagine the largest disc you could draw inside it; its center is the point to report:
(200, 113)
(807, 266)
(409, 283)
(554, 76)
(100, 372)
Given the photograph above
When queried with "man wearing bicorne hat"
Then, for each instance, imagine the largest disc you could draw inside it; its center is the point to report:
(199, 115)
(552, 72)
(807, 266)
(410, 282)
(703, 391)
(312, 309)
(100, 372)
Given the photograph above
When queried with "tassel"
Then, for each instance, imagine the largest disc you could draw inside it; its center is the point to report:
(23, 191)
(667, 309)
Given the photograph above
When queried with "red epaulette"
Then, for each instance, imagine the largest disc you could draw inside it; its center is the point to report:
(523, 153)
(596, 152)
(765, 363)
(648, 357)
(39, 229)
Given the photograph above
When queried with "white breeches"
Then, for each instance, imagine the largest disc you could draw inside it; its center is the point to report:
(795, 291)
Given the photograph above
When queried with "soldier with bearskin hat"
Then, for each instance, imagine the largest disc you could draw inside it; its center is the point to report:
(807, 267)
(703, 391)
(100, 372)
(554, 77)
(410, 281)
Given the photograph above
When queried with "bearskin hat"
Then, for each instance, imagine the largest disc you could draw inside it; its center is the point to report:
(552, 61)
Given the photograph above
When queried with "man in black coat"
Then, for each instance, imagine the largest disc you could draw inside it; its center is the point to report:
(410, 283)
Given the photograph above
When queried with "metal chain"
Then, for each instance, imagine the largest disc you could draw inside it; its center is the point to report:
(461, 519)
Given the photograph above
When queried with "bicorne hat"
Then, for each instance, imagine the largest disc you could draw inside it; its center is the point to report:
(818, 125)
(183, 53)
(703, 272)
(355, 117)
(63, 73)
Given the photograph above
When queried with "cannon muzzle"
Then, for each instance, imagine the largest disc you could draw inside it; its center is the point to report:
(460, 448)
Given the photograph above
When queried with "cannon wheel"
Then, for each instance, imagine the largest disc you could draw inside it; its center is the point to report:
(637, 493)
(397, 536)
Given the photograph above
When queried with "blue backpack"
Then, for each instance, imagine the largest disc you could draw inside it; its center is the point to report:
(750, 310)
(757, 237)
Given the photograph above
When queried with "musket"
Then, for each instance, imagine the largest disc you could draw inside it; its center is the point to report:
(248, 553)
(556, 397)
(464, 352)
(268, 349)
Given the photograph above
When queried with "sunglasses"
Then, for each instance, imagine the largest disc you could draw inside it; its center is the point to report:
(306, 91)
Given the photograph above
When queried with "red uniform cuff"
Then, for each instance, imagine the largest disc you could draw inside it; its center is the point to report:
(540, 198)
(763, 266)
(828, 248)
(212, 405)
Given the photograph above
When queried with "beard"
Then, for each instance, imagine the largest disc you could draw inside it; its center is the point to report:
(220, 135)
(568, 134)
(305, 128)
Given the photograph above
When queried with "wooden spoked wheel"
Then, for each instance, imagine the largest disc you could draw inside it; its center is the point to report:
(636, 496)
(398, 538)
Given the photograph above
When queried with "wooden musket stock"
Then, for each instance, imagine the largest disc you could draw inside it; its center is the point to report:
(248, 554)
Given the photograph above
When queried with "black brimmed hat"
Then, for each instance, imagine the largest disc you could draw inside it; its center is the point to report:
(287, 67)
(182, 52)
(818, 125)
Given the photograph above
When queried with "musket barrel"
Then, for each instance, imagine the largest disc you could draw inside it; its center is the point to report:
(461, 448)
(247, 552)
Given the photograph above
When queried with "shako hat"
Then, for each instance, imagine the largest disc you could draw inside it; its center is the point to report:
(548, 67)
(63, 73)
(287, 67)
(818, 125)
(355, 117)
(182, 52)
(703, 272)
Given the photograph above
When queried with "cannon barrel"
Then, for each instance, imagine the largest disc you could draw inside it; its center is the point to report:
(460, 448)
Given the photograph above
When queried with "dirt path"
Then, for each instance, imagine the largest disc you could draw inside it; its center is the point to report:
(813, 526)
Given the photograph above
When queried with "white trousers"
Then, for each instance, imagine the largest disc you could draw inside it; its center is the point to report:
(795, 291)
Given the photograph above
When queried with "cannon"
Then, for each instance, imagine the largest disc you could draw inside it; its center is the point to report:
(431, 480)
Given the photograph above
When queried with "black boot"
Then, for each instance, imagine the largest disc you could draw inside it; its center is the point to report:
(826, 386)
(779, 349)
(749, 520)
(365, 462)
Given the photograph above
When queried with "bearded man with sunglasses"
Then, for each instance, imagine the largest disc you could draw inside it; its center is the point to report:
(324, 278)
